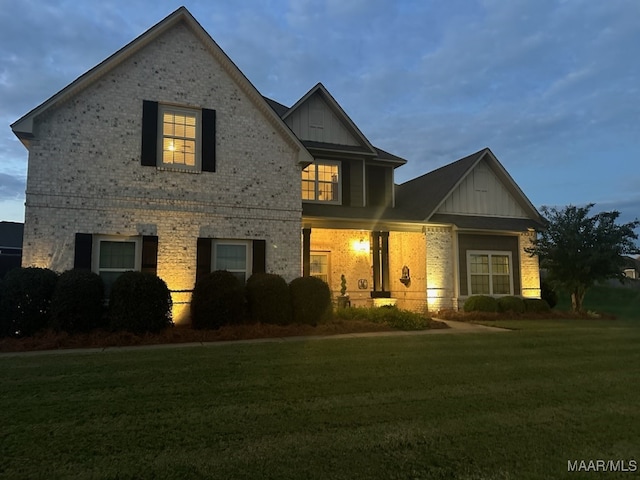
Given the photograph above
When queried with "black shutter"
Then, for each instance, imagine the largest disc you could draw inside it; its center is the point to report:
(208, 140)
(346, 183)
(203, 258)
(82, 251)
(259, 256)
(150, 254)
(149, 133)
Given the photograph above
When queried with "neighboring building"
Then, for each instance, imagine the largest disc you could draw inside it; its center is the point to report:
(164, 158)
(10, 246)
(631, 267)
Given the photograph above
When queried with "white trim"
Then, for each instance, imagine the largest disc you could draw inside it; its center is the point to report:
(248, 244)
(317, 163)
(490, 253)
(197, 112)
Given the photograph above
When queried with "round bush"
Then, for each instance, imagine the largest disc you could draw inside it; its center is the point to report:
(310, 300)
(536, 305)
(480, 303)
(77, 302)
(217, 300)
(510, 304)
(26, 300)
(139, 302)
(268, 299)
(548, 294)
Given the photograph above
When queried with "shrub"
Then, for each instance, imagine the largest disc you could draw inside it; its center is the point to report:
(77, 302)
(310, 300)
(511, 304)
(548, 294)
(480, 303)
(536, 305)
(268, 299)
(139, 302)
(26, 300)
(391, 316)
(217, 299)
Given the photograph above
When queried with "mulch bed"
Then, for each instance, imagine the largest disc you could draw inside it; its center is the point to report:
(51, 340)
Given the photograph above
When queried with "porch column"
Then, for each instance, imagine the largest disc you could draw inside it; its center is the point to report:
(375, 249)
(306, 252)
(384, 267)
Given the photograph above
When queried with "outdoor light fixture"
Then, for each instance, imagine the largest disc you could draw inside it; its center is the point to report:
(361, 246)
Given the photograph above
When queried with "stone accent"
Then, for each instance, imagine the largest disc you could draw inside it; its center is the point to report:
(440, 268)
(85, 173)
(529, 268)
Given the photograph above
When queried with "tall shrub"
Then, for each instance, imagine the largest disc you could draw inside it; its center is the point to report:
(310, 300)
(217, 299)
(268, 299)
(77, 303)
(139, 302)
(26, 300)
(548, 294)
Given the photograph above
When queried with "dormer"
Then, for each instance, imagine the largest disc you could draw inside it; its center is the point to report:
(347, 169)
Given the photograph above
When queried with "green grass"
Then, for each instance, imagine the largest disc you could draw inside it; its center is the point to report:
(514, 405)
(624, 303)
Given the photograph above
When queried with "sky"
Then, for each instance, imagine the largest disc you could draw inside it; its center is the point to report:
(551, 87)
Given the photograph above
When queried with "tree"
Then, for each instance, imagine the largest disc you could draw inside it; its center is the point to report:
(579, 250)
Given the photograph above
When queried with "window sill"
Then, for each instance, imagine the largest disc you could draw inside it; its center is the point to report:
(165, 168)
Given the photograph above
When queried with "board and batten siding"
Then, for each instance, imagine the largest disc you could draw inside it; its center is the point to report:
(315, 121)
(501, 243)
(482, 193)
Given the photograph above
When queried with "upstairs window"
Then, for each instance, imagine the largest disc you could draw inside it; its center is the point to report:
(179, 137)
(321, 182)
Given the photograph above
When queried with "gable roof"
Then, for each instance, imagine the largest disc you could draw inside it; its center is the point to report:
(365, 147)
(23, 127)
(424, 195)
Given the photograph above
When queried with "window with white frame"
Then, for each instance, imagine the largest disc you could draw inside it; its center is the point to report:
(321, 182)
(319, 265)
(114, 255)
(489, 273)
(179, 137)
(233, 256)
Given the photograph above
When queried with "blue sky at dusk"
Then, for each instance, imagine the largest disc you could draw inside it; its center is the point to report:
(552, 87)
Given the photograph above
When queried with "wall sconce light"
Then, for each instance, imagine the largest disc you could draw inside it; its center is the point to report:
(406, 276)
(361, 246)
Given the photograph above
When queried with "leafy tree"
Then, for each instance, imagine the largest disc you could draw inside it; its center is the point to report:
(578, 250)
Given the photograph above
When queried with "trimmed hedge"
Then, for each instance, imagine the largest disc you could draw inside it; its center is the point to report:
(268, 299)
(139, 302)
(310, 300)
(511, 304)
(26, 301)
(536, 305)
(480, 303)
(217, 300)
(77, 304)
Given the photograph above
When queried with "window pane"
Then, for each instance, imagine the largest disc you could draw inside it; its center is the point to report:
(308, 190)
(231, 257)
(501, 285)
(480, 285)
(479, 264)
(500, 264)
(117, 255)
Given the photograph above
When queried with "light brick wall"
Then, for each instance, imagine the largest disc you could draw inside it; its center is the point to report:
(408, 248)
(84, 171)
(529, 268)
(440, 269)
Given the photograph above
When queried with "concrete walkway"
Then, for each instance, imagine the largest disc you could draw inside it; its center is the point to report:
(454, 328)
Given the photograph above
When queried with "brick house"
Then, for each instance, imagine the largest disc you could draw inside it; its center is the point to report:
(165, 158)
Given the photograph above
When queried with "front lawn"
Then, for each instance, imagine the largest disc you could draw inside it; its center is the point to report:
(468, 406)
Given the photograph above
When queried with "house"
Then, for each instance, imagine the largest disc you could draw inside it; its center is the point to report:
(10, 246)
(165, 158)
(631, 267)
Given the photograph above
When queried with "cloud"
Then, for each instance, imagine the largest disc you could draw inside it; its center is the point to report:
(11, 187)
